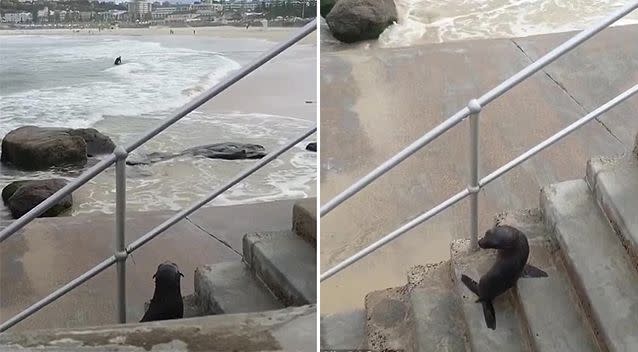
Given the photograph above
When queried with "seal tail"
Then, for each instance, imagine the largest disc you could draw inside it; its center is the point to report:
(489, 314)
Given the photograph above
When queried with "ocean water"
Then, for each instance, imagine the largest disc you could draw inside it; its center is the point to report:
(436, 21)
(70, 81)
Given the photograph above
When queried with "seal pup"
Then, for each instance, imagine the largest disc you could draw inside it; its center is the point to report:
(510, 265)
(167, 300)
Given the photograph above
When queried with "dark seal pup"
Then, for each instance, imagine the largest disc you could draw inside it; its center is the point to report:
(510, 265)
(167, 300)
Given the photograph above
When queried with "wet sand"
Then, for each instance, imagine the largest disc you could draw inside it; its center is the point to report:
(374, 102)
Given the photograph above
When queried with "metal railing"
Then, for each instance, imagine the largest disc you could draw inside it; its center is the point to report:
(472, 110)
(118, 157)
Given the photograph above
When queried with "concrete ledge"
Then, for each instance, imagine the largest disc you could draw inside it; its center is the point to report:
(285, 263)
(598, 265)
(291, 329)
(304, 220)
(343, 330)
(438, 320)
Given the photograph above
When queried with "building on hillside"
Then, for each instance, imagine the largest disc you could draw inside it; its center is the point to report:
(43, 15)
(139, 10)
(18, 17)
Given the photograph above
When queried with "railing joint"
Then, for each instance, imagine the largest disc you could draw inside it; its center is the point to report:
(473, 189)
(120, 153)
(474, 106)
(120, 256)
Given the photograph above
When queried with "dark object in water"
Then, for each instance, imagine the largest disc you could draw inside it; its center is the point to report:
(511, 264)
(312, 147)
(167, 302)
(118, 60)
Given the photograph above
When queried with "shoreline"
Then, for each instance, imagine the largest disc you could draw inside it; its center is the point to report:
(228, 32)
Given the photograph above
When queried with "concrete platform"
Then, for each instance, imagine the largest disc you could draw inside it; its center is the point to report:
(549, 305)
(50, 252)
(614, 183)
(229, 288)
(285, 263)
(510, 333)
(292, 329)
(598, 265)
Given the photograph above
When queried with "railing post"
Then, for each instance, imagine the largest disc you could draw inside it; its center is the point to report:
(120, 218)
(473, 187)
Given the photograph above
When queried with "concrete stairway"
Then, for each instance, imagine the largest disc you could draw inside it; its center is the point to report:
(584, 235)
(278, 270)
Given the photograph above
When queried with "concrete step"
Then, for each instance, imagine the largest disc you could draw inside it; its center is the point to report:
(510, 333)
(550, 305)
(389, 320)
(304, 220)
(614, 183)
(343, 331)
(438, 319)
(291, 329)
(228, 288)
(598, 265)
(285, 263)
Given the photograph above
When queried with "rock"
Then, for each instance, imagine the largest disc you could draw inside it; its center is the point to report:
(354, 20)
(22, 196)
(312, 147)
(96, 142)
(39, 148)
(226, 150)
(326, 6)
(35, 148)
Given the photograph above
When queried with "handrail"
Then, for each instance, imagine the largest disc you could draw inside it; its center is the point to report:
(118, 157)
(189, 107)
(482, 183)
(483, 101)
(149, 235)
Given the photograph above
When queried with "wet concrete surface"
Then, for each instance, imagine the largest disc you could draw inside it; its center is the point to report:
(375, 102)
(50, 252)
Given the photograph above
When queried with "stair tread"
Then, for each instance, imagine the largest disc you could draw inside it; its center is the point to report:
(598, 264)
(286, 263)
(227, 288)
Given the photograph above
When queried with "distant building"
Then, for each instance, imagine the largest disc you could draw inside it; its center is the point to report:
(139, 10)
(43, 15)
(86, 16)
(161, 13)
(19, 17)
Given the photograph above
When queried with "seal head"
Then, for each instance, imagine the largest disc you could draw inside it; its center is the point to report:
(167, 302)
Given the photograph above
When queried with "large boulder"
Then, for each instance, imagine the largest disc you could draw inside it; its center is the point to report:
(39, 148)
(326, 6)
(312, 147)
(22, 196)
(96, 142)
(226, 151)
(354, 20)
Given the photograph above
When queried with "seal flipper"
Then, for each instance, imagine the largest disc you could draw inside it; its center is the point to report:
(471, 284)
(489, 314)
(530, 271)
